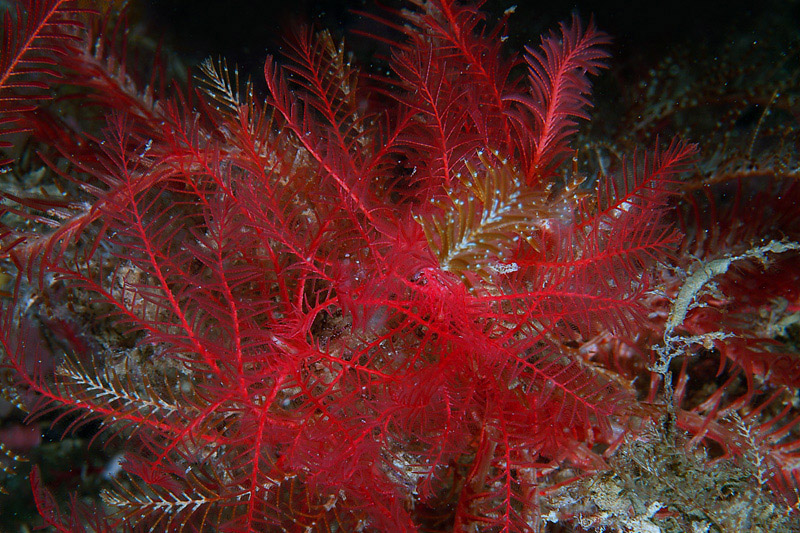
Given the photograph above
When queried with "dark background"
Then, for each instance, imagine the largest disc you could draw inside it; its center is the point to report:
(244, 31)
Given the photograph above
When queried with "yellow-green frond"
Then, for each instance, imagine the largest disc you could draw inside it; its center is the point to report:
(483, 221)
(218, 85)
